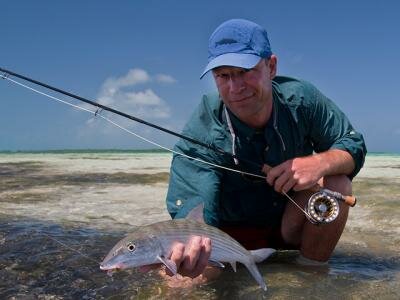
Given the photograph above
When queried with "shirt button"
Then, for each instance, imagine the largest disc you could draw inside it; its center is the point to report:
(178, 202)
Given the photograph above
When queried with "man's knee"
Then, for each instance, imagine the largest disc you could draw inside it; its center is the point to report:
(293, 219)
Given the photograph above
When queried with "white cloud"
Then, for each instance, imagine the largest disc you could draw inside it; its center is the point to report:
(133, 93)
(165, 78)
(121, 93)
(147, 97)
(133, 77)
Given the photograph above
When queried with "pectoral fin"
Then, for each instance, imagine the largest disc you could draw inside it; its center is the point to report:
(233, 264)
(215, 263)
(169, 264)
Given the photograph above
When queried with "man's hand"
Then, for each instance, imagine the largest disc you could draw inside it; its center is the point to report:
(191, 259)
(302, 173)
(298, 174)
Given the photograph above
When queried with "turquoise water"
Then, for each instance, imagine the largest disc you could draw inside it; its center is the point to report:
(88, 200)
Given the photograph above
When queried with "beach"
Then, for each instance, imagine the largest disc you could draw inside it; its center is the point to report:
(52, 203)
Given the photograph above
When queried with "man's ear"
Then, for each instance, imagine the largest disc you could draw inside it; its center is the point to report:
(272, 63)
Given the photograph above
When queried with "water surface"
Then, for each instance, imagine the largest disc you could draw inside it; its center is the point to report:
(87, 201)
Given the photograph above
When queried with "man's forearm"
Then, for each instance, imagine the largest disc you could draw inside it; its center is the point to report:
(336, 162)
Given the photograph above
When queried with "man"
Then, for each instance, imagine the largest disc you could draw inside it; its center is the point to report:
(265, 120)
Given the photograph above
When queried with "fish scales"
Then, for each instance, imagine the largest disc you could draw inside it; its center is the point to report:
(181, 230)
(176, 230)
(153, 244)
(218, 245)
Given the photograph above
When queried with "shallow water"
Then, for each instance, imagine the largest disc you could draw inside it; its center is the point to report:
(88, 201)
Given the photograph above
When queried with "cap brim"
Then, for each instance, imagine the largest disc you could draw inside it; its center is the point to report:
(240, 60)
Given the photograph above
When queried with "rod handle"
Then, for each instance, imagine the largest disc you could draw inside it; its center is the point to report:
(348, 199)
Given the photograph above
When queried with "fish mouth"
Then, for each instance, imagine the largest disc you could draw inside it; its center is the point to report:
(115, 267)
(110, 271)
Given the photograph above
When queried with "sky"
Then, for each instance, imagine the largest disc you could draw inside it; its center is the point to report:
(145, 58)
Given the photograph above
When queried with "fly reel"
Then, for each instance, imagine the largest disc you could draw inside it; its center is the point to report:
(322, 208)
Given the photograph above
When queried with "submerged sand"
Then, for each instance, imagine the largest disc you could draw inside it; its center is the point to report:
(131, 188)
(98, 189)
(90, 200)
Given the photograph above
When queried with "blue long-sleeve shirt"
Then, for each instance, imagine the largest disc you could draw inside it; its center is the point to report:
(303, 121)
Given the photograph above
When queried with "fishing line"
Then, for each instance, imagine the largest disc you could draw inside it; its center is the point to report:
(98, 113)
(209, 146)
(68, 247)
(298, 206)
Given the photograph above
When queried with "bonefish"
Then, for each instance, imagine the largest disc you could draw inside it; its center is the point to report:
(152, 244)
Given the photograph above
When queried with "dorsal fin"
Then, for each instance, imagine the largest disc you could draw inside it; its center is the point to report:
(196, 213)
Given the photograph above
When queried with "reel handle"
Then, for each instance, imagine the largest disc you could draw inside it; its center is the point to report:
(348, 199)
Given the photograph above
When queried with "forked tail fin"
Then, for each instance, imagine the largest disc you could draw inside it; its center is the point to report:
(251, 266)
(258, 256)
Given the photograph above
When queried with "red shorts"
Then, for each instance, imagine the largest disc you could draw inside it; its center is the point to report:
(252, 237)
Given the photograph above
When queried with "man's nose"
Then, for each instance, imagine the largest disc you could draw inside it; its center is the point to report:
(237, 84)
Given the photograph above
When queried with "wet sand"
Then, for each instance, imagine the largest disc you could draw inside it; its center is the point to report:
(88, 201)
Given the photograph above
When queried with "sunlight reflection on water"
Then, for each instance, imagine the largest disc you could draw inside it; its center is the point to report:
(91, 215)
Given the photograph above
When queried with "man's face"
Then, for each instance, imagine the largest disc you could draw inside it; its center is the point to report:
(247, 92)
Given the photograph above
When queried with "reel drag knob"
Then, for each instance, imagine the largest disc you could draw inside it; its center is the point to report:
(322, 208)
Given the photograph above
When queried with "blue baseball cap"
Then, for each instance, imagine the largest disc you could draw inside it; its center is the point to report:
(238, 43)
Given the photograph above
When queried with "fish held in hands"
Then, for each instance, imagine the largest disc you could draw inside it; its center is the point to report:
(152, 244)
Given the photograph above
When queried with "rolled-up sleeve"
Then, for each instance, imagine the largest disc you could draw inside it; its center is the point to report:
(331, 129)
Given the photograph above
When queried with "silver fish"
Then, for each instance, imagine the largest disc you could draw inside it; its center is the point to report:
(152, 244)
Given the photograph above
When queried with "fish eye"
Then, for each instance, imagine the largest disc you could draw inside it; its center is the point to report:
(131, 247)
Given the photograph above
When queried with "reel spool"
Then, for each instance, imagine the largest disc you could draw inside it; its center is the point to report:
(322, 208)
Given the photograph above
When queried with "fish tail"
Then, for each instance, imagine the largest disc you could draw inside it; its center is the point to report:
(262, 254)
(251, 266)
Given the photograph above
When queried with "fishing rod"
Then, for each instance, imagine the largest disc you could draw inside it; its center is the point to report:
(133, 118)
(322, 207)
